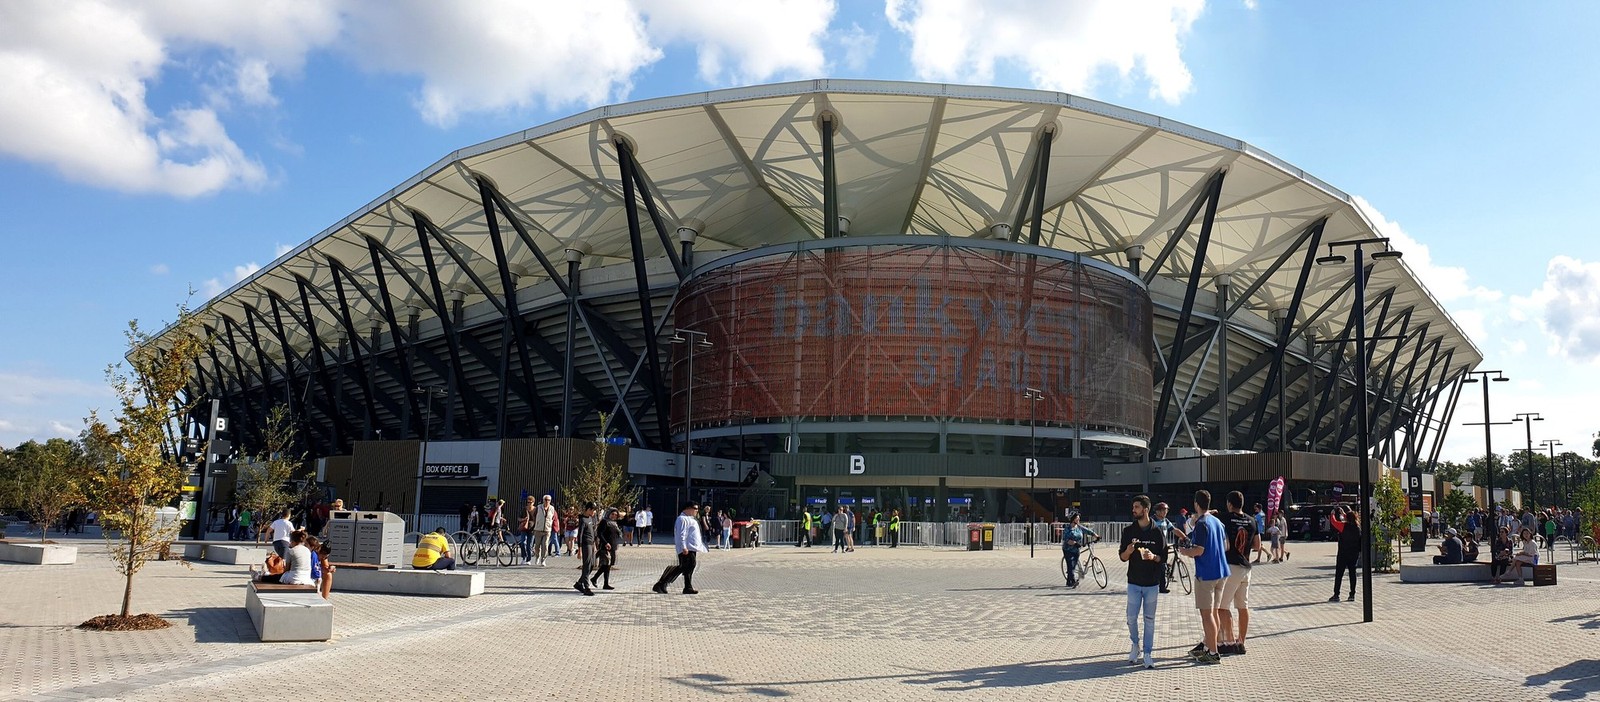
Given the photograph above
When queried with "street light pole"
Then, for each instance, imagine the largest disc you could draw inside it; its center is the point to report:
(1527, 419)
(430, 392)
(691, 339)
(1488, 446)
(1033, 396)
(1362, 438)
(1552, 444)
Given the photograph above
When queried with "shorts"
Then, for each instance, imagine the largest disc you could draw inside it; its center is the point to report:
(1208, 593)
(1236, 589)
(570, 533)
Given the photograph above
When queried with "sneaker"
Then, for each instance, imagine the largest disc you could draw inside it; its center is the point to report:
(1133, 655)
(1208, 658)
(1352, 597)
(1165, 591)
(691, 592)
(659, 589)
(1198, 649)
(1238, 649)
(1335, 597)
(1149, 662)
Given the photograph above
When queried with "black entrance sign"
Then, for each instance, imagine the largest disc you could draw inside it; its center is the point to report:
(450, 470)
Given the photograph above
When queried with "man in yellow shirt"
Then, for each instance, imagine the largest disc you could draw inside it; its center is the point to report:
(433, 552)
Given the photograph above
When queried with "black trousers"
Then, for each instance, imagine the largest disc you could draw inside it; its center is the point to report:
(804, 540)
(588, 564)
(1346, 561)
(894, 538)
(685, 568)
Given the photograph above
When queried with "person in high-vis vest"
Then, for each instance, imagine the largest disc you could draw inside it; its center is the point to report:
(433, 552)
(877, 528)
(894, 529)
(805, 530)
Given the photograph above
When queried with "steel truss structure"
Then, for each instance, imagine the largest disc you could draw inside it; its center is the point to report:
(534, 277)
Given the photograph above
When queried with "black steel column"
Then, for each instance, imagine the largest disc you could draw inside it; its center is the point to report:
(574, 283)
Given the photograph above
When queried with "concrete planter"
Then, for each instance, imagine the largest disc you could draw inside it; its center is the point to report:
(38, 554)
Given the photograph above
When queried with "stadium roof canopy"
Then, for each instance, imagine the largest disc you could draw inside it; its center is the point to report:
(744, 168)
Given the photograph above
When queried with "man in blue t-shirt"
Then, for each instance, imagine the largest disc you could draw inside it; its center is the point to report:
(1207, 547)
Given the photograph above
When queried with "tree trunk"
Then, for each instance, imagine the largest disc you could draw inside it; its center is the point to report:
(135, 529)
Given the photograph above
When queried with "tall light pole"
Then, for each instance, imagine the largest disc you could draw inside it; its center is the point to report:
(429, 392)
(1033, 396)
(1362, 361)
(1488, 445)
(1552, 444)
(691, 339)
(1527, 419)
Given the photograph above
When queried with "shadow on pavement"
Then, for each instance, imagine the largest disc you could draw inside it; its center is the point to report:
(1586, 621)
(1582, 678)
(996, 676)
(217, 624)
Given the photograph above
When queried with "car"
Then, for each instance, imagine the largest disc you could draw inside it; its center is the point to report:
(1311, 523)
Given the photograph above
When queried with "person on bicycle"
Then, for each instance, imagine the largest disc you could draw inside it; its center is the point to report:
(1073, 538)
(1172, 534)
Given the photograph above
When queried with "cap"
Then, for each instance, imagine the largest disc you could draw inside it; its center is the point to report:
(1451, 531)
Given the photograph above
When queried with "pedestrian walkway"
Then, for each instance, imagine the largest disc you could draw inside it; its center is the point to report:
(904, 624)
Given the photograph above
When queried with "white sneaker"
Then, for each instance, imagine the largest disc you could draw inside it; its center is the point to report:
(1148, 662)
(1133, 654)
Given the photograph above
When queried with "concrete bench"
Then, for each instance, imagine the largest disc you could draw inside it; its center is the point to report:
(37, 554)
(1477, 572)
(236, 555)
(288, 612)
(405, 581)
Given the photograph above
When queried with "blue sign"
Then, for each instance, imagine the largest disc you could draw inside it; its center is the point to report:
(847, 500)
(960, 500)
(869, 500)
(816, 500)
(618, 440)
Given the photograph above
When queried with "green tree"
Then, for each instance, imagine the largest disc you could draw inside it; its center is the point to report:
(1448, 471)
(1390, 523)
(264, 482)
(1455, 506)
(130, 476)
(598, 480)
(44, 479)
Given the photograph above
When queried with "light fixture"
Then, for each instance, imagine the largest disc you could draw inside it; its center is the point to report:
(1331, 260)
(1385, 255)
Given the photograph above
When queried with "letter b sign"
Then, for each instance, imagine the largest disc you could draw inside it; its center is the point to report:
(1030, 468)
(858, 465)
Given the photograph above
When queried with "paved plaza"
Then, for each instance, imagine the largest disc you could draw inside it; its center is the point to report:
(904, 624)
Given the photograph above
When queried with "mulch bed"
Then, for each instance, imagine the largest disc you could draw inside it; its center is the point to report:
(117, 622)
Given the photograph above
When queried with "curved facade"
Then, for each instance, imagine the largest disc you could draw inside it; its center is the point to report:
(917, 331)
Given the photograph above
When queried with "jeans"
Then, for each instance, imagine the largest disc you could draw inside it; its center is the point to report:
(1072, 564)
(444, 563)
(281, 548)
(1142, 597)
(727, 538)
(525, 542)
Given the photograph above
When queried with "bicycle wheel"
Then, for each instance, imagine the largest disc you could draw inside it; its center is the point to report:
(1099, 570)
(1183, 577)
(503, 554)
(471, 550)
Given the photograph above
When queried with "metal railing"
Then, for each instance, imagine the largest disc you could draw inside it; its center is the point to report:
(941, 534)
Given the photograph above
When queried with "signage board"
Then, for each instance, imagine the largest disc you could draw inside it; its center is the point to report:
(450, 470)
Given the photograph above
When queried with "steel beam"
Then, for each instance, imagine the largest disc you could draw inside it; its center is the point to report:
(514, 328)
(1197, 268)
(646, 312)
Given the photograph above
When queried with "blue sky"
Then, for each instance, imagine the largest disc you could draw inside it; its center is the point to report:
(149, 147)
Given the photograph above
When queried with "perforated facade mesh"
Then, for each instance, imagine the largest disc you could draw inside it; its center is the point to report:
(917, 332)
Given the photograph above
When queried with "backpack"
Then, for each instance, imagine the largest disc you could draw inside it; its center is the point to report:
(275, 564)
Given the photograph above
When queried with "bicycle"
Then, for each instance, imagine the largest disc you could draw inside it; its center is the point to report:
(490, 545)
(1087, 562)
(1177, 569)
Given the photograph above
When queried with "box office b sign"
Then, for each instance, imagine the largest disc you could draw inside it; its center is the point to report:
(450, 470)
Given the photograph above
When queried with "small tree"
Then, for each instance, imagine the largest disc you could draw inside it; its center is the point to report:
(263, 485)
(130, 476)
(595, 479)
(1390, 523)
(1455, 507)
(45, 479)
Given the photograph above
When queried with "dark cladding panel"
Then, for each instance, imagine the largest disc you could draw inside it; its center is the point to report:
(918, 331)
(870, 465)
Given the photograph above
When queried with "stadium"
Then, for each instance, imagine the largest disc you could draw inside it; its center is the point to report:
(985, 300)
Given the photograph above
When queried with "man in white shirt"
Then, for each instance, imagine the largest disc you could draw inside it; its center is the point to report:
(686, 540)
(281, 529)
(643, 524)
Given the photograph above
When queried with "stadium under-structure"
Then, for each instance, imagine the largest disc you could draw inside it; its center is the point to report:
(876, 285)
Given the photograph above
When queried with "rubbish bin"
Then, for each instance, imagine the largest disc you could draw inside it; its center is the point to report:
(741, 534)
(974, 537)
(988, 537)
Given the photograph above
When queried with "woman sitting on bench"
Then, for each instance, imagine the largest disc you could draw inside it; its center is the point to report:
(1500, 555)
(297, 569)
(1527, 554)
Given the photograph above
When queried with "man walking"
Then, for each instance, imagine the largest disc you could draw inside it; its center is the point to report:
(805, 529)
(839, 524)
(545, 519)
(643, 523)
(687, 542)
(1207, 549)
(585, 543)
(1242, 541)
(1144, 548)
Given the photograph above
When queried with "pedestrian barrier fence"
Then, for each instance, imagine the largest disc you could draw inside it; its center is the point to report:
(939, 534)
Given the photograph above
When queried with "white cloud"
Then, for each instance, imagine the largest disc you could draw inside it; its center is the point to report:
(41, 405)
(503, 54)
(741, 41)
(1567, 307)
(1062, 46)
(160, 269)
(1448, 283)
(214, 286)
(281, 249)
(855, 47)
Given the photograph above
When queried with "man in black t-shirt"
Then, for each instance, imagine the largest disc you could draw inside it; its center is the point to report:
(1144, 548)
(1239, 530)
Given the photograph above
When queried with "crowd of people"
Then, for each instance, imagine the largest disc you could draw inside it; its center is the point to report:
(844, 527)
